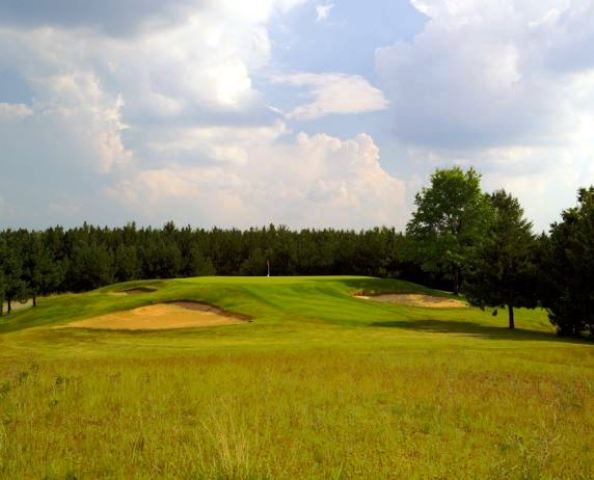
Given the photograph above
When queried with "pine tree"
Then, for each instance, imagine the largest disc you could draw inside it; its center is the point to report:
(502, 271)
(569, 265)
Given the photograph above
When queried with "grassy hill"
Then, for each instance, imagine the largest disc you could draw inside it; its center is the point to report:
(319, 385)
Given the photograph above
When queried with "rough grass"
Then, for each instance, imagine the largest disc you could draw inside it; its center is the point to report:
(321, 385)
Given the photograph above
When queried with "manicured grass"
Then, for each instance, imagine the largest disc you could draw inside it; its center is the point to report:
(320, 385)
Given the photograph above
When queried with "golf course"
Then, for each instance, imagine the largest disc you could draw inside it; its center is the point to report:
(289, 377)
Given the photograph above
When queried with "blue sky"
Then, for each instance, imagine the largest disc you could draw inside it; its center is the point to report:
(297, 112)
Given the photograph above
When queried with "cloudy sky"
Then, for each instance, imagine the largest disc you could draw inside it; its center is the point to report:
(297, 112)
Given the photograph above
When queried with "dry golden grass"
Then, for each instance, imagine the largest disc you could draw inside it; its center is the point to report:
(311, 415)
(321, 386)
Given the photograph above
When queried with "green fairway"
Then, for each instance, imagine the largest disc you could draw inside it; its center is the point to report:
(319, 385)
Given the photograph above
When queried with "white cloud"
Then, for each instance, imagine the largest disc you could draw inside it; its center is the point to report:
(505, 86)
(315, 180)
(84, 82)
(72, 124)
(199, 66)
(162, 121)
(323, 11)
(482, 73)
(10, 111)
(220, 145)
(333, 93)
(129, 17)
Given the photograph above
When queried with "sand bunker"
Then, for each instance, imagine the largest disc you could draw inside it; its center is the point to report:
(162, 316)
(415, 300)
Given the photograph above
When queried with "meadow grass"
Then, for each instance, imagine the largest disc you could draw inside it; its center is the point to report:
(320, 385)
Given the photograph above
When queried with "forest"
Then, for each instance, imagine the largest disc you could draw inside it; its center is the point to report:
(459, 238)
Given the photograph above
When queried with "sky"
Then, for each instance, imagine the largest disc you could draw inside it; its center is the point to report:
(305, 113)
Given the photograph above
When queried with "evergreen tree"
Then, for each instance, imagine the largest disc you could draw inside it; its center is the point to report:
(255, 264)
(2, 282)
(39, 268)
(196, 264)
(502, 271)
(126, 264)
(12, 266)
(569, 266)
(161, 257)
(90, 267)
(88, 257)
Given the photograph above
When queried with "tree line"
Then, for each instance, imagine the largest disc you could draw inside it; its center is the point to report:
(487, 248)
(479, 244)
(34, 263)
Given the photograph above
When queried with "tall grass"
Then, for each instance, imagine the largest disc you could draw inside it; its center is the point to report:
(389, 393)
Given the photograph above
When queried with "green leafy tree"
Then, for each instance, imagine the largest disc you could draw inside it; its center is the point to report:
(451, 220)
(502, 271)
(569, 269)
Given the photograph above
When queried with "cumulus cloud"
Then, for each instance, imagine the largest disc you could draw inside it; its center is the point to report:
(57, 153)
(505, 86)
(127, 17)
(210, 144)
(116, 16)
(9, 111)
(323, 11)
(481, 74)
(197, 69)
(333, 93)
(313, 180)
(158, 117)
(74, 122)
(84, 82)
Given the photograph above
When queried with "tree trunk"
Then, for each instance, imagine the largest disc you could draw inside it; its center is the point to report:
(1, 305)
(512, 324)
(457, 281)
(8, 306)
(34, 300)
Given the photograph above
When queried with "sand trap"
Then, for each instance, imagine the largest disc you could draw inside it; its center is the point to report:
(415, 300)
(162, 316)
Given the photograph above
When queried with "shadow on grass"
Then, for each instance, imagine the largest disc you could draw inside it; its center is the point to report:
(478, 330)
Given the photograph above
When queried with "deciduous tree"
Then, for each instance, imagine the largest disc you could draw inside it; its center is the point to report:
(451, 220)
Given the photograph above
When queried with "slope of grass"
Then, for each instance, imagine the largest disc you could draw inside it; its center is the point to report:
(320, 385)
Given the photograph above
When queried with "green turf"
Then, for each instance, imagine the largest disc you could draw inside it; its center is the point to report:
(319, 385)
